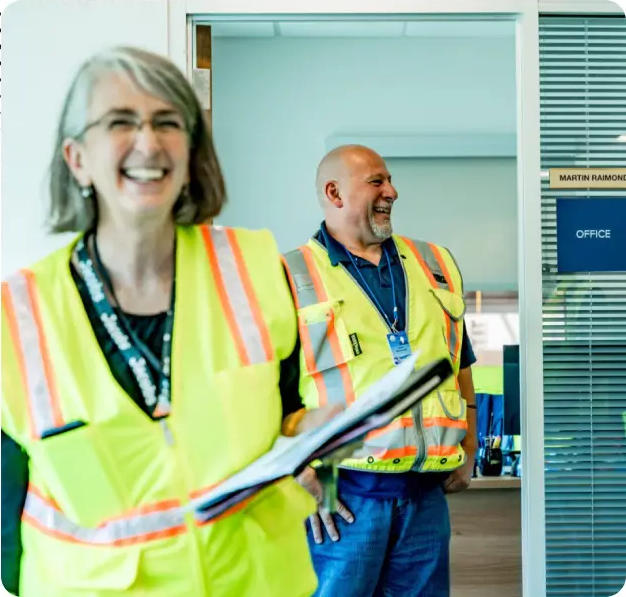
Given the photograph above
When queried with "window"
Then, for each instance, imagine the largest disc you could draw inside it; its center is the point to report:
(583, 112)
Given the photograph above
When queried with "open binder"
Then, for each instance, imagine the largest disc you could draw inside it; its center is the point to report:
(393, 395)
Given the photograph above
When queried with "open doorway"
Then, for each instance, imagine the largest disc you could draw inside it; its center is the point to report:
(437, 99)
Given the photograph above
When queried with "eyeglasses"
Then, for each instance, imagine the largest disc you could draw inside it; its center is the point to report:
(125, 125)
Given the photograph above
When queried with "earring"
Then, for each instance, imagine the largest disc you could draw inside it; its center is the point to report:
(86, 192)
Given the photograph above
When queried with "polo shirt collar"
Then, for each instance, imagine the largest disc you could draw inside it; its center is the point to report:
(337, 252)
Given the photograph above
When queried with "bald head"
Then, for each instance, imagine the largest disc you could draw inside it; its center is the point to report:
(338, 164)
(355, 191)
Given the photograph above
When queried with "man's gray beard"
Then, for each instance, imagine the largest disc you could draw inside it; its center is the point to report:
(381, 232)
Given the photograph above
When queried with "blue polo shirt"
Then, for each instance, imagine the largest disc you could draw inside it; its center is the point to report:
(376, 282)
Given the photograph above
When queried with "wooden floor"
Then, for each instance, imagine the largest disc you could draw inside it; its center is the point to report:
(486, 550)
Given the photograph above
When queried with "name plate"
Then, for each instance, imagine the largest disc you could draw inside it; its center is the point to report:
(591, 235)
(588, 178)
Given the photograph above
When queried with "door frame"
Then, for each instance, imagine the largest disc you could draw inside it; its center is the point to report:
(525, 13)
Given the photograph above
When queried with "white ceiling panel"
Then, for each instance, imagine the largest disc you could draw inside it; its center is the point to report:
(342, 29)
(235, 29)
(460, 29)
(385, 29)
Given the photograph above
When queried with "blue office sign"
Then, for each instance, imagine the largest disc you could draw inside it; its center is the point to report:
(591, 235)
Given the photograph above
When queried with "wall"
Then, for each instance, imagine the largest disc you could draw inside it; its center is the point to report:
(276, 101)
(468, 205)
(43, 42)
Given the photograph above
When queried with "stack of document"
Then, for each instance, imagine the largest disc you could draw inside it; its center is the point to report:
(393, 395)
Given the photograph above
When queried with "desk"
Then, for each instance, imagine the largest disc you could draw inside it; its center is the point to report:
(486, 546)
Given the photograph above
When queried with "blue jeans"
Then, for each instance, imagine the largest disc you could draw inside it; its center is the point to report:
(394, 548)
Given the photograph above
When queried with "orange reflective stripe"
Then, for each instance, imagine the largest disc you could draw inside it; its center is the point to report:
(139, 525)
(232, 510)
(442, 265)
(401, 423)
(431, 278)
(330, 373)
(292, 284)
(420, 259)
(305, 341)
(21, 303)
(443, 450)
(7, 303)
(444, 422)
(237, 297)
(164, 519)
(309, 359)
(318, 285)
(448, 277)
(244, 274)
(396, 453)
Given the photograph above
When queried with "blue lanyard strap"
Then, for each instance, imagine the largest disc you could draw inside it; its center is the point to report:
(391, 325)
(132, 349)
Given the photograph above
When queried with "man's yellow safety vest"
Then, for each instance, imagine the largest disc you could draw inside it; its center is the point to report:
(104, 512)
(345, 350)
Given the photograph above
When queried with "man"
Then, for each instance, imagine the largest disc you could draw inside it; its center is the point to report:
(366, 300)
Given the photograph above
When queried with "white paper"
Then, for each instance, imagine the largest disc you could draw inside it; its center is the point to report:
(288, 454)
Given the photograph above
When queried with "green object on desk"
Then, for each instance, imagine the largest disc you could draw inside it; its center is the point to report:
(488, 379)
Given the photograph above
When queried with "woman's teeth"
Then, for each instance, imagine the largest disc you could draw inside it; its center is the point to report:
(144, 174)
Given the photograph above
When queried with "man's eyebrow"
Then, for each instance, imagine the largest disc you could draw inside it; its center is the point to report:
(379, 175)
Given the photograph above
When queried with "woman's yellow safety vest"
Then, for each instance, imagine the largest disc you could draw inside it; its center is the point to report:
(103, 515)
(345, 350)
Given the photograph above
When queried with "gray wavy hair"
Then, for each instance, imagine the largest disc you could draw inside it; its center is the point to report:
(69, 211)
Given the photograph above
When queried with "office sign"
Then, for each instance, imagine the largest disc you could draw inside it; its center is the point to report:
(591, 235)
(588, 178)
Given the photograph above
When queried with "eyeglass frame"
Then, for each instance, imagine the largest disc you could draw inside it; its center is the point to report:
(138, 122)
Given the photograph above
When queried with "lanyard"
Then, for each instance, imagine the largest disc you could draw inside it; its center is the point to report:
(392, 326)
(132, 349)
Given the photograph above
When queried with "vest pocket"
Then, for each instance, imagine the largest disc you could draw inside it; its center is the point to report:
(453, 304)
(444, 425)
(279, 507)
(276, 530)
(77, 567)
(78, 474)
(325, 340)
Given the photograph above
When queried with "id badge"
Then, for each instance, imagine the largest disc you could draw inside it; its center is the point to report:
(399, 346)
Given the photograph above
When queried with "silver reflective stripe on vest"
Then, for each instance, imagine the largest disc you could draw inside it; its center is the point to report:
(238, 299)
(393, 439)
(431, 261)
(30, 345)
(317, 332)
(324, 358)
(139, 528)
(444, 436)
(302, 279)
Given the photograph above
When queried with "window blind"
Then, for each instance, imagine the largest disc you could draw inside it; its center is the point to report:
(583, 112)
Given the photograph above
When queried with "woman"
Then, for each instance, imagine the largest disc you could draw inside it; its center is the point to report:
(145, 362)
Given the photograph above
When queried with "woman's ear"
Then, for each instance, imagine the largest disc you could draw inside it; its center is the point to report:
(74, 158)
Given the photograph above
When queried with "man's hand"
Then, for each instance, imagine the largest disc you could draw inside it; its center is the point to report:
(308, 479)
(460, 479)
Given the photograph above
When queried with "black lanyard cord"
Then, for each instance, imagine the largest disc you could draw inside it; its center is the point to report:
(132, 349)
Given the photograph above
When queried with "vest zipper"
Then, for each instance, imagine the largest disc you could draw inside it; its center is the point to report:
(417, 416)
(420, 458)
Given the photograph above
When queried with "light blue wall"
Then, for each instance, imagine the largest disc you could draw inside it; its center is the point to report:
(276, 101)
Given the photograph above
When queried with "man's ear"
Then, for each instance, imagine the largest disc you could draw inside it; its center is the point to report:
(332, 193)
(73, 154)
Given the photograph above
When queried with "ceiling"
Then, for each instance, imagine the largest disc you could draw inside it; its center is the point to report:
(387, 29)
